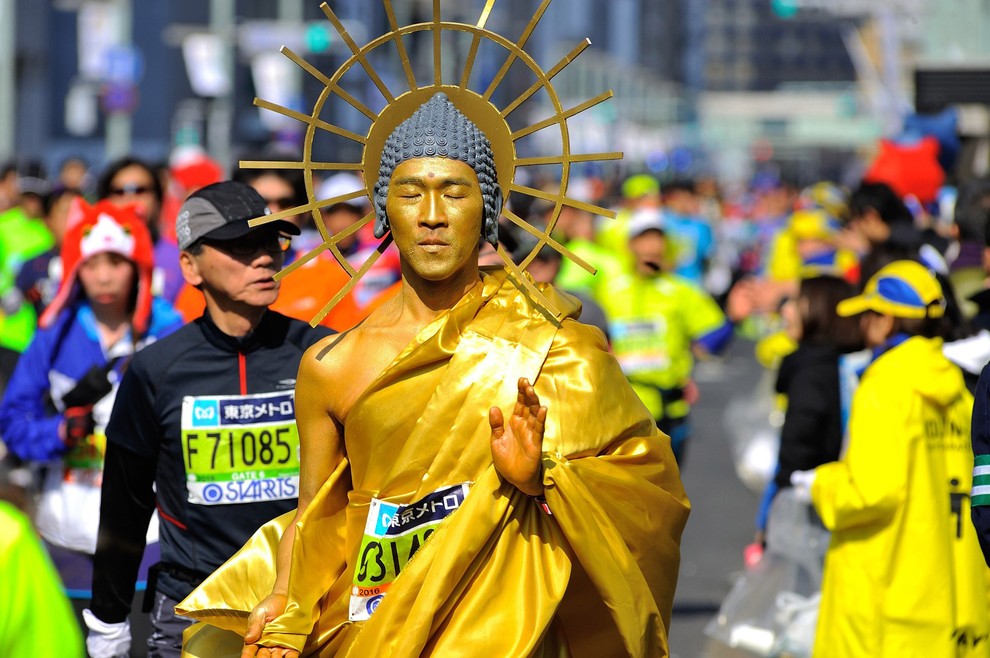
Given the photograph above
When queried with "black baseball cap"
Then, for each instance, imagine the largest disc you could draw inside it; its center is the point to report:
(221, 212)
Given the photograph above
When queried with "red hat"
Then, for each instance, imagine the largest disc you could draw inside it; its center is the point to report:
(196, 173)
(98, 229)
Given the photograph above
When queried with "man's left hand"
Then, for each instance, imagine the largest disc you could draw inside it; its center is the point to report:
(518, 444)
(106, 640)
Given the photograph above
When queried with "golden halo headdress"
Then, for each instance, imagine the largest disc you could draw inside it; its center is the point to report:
(477, 107)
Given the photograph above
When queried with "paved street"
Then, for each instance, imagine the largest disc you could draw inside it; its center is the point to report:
(721, 521)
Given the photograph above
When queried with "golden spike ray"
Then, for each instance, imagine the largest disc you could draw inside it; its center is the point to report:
(437, 55)
(341, 198)
(399, 46)
(551, 74)
(297, 210)
(281, 214)
(347, 232)
(533, 22)
(305, 118)
(546, 123)
(299, 262)
(567, 201)
(372, 259)
(546, 238)
(570, 158)
(327, 82)
(342, 260)
(356, 51)
(475, 42)
(538, 296)
(281, 164)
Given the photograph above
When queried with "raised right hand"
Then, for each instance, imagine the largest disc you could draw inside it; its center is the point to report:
(268, 609)
(517, 442)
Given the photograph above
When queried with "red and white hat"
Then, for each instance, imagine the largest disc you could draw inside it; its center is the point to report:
(98, 229)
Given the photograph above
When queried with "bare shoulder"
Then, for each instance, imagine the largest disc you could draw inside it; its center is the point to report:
(338, 350)
(325, 356)
(344, 365)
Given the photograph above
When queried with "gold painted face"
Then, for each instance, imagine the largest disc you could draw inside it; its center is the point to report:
(434, 208)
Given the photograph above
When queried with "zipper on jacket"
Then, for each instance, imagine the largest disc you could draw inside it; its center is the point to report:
(242, 369)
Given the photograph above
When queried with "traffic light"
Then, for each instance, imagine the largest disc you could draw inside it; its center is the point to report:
(784, 8)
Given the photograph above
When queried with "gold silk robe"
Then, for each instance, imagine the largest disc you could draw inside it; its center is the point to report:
(498, 577)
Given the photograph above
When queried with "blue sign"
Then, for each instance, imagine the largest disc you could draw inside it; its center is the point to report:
(122, 65)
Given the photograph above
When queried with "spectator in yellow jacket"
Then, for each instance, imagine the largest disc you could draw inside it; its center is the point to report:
(904, 574)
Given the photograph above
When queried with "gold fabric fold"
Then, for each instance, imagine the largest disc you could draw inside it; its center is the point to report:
(248, 576)
(498, 576)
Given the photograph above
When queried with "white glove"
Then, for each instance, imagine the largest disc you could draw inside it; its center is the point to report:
(802, 481)
(107, 640)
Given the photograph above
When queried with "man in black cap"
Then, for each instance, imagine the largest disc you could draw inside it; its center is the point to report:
(204, 424)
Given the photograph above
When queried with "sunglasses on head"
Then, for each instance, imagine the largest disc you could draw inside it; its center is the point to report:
(130, 189)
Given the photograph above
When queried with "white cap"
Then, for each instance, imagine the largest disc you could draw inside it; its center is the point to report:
(581, 189)
(339, 185)
(645, 220)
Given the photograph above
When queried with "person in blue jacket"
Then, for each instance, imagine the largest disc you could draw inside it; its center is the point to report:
(59, 398)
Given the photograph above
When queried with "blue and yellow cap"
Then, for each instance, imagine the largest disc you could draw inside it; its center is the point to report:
(826, 196)
(902, 289)
(812, 224)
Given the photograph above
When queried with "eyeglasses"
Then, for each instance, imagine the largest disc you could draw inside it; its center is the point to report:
(130, 189)
(249, 245)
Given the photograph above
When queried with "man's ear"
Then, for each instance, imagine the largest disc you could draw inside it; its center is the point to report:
(190, 269)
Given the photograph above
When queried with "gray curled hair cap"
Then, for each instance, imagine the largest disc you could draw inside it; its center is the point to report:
(438, 129)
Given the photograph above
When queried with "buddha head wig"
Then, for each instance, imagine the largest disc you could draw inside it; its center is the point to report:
(438, 129)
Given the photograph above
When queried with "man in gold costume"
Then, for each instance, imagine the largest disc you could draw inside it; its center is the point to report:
(477, 478)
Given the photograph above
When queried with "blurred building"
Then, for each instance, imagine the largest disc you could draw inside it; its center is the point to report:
(750, 48)
(62, 90)
(953, 69)
(700, 84)
(98, 78)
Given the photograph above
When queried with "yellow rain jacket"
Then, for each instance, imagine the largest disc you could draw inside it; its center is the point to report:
(904, 575)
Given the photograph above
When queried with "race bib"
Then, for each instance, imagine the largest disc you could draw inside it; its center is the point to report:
(240, 448)
(392, 536)
(640, 346)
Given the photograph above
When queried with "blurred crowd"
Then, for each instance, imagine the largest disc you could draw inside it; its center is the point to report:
(829, 282)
